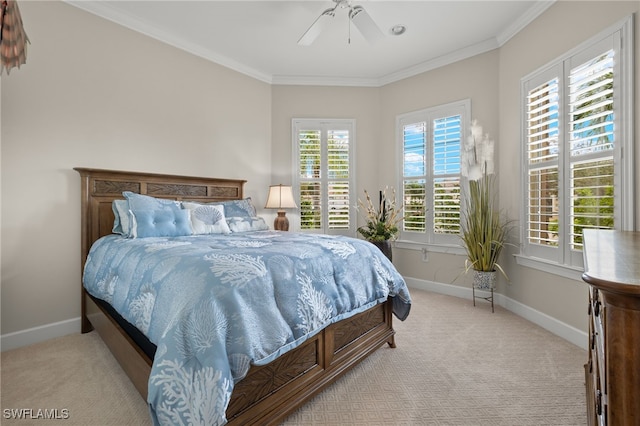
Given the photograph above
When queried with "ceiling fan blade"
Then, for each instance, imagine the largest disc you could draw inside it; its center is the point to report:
(365, 24)
(317, 27)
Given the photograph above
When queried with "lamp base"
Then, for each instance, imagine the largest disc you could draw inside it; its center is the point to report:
(281, 223)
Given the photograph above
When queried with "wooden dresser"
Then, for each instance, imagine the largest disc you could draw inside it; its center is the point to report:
(612, 270)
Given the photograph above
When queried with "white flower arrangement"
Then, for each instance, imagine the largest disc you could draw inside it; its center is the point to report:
(477, 154)
(383, 219)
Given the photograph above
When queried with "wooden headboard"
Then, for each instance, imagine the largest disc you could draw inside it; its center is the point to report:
(101, 187)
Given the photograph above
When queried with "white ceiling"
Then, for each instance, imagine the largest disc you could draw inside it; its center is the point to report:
(259, 38)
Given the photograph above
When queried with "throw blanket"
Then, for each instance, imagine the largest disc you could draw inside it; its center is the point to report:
(215, 304)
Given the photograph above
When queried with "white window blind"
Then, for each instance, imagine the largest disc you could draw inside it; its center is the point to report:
(414, 179)
(338, 170)
(542, 163)
(591, 144)
(309, 188)
(430, 145)
(323, 181)
(447, 135)
(577, 158)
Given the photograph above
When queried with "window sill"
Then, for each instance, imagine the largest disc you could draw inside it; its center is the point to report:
(433, 248)
(544, 265)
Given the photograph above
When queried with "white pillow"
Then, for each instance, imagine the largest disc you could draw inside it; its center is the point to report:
(207, 218)
(247, 224)
(121, 213)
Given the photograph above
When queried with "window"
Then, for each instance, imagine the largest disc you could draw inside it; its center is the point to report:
(577, 139)
(323, 181)
(430, 144)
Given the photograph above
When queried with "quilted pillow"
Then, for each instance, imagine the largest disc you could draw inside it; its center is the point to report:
(245, 224)
(160, 223)
(207, 218)
(239, 208)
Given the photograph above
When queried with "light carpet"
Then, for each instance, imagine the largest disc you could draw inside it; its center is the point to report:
(454, 364)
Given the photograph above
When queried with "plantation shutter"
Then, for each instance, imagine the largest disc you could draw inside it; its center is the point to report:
(429, 143)
(447, 135)
(542, 163)
(309, 165)
(591, 146)
(414, 176)
(430, 146)
(579, 148)
(323, 151)
(338, 179)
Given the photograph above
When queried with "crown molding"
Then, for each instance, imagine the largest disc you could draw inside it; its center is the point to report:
(302, 80)
(441, 61)
(519, 24)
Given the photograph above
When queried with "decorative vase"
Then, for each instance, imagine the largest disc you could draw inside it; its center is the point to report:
(484, 280)
(385, 248)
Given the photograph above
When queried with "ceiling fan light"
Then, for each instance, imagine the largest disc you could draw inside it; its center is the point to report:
(317, 27)
(365, 24)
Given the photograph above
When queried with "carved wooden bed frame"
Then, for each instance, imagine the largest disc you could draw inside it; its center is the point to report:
(268, 393)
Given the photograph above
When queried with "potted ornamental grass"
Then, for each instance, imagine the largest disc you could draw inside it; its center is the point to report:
(382, 220)
(484, 228)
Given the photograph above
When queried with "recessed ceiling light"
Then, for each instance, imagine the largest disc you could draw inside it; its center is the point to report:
(398, 30)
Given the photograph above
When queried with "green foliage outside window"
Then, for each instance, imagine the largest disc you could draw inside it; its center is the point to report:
(447, 215)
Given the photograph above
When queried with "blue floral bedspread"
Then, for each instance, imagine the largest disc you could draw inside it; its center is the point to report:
(215, 304)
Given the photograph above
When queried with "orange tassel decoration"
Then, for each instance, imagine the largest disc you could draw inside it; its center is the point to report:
(13, 39)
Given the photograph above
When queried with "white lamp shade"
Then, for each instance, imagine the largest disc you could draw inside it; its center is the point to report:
(280, 197)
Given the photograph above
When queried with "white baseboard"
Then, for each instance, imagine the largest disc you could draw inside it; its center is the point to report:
(39, 334)
(559, 328)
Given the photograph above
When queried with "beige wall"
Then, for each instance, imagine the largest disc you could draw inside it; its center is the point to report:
(94, 94)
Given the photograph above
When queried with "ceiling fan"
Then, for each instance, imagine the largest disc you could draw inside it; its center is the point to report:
(357, 15)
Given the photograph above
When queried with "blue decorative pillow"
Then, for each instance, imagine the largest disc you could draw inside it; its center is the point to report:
(145, 202)
(207, 218)
(246, 224)
(160, 223)
(239, 208)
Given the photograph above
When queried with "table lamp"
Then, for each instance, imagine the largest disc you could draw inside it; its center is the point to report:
(280, 197)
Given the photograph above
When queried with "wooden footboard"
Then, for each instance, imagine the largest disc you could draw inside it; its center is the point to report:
(270, 392)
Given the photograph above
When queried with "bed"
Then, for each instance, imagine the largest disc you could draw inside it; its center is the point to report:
(268, 392)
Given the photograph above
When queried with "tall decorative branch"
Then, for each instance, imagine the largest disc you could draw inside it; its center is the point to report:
(484, 231)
